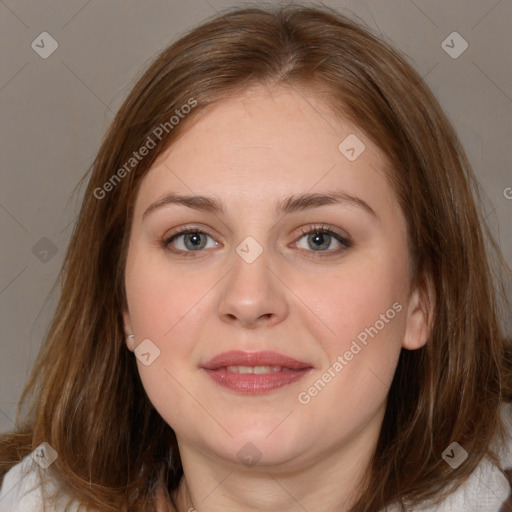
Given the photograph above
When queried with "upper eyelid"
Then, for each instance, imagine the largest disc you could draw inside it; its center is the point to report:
(303, 230)
(188, 229)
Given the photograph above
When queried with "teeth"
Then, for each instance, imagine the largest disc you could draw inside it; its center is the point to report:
(253, 369)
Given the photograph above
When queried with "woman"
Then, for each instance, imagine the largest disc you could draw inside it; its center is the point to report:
(204, 355)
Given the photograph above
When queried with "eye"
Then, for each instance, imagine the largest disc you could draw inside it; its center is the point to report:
(188, 240)
(320, 238)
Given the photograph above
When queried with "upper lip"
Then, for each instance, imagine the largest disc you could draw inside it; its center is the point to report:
(265, 358)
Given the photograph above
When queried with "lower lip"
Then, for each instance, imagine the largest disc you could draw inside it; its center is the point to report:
(251, 383)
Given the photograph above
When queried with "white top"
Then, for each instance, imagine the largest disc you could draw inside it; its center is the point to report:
(485, 491)
(22, 490)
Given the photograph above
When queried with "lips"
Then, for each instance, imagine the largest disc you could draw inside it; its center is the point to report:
(254, 372)
(239, 358)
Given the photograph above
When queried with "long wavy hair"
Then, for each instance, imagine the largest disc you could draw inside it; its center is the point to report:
(84, 396)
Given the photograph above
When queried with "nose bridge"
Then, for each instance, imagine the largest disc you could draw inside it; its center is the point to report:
(251, 292)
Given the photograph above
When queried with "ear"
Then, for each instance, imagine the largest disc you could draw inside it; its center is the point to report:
(130, 340)
(419, 317)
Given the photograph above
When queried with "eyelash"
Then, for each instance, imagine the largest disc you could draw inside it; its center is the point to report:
(316, 229)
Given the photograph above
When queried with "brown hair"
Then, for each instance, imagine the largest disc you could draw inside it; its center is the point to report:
(84, 396)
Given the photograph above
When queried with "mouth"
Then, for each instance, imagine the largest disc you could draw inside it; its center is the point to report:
(254, 372)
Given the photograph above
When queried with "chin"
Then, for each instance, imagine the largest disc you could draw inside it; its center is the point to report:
(267, 447)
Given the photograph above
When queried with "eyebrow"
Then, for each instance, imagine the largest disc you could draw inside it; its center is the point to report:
(291, 204)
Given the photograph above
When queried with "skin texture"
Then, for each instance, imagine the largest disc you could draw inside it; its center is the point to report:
(252, 151)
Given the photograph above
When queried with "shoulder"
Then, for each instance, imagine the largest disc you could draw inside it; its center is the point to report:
(487, 489)
(22, 487)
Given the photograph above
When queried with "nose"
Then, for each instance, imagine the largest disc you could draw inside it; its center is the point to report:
(252, 294)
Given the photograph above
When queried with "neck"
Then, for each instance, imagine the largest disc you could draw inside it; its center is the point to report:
(331, 480)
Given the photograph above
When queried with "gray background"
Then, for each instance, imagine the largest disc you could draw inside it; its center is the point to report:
(54, 112)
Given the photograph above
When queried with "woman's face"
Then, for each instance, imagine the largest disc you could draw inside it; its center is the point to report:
(305, 257)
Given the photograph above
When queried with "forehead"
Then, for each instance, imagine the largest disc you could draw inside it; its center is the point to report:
(279, 121)
(268, 142)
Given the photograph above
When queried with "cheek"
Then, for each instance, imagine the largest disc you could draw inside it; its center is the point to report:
(164, 307)
(366, 310)
(360, 299)
(160, 295)
(364, 306)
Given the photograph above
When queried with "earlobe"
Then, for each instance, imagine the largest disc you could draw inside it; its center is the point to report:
(128, 331)
(130, 342)
(419, 318)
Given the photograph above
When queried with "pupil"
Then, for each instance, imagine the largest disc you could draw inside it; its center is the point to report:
(194, 239)
(319, 238)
